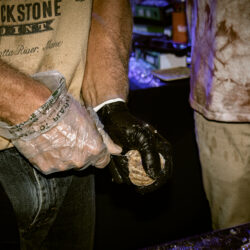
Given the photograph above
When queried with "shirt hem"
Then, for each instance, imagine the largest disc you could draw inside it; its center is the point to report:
(219, 116)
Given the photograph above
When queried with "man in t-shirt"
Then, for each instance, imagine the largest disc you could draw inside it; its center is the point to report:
(56, 57)
(220, 87)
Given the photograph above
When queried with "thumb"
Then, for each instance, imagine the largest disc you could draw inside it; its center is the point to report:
(113, 148)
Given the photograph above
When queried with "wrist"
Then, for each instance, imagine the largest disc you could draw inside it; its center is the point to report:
(29, 102)
(20, 97)
(46, 116)
(98, 107)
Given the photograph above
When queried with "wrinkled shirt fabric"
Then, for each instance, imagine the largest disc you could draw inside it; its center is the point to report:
(220, 71)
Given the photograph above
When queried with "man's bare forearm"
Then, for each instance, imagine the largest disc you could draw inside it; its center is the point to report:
(20, 95)
(108, 52)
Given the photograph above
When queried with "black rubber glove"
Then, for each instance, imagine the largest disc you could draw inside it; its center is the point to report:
(133, 134)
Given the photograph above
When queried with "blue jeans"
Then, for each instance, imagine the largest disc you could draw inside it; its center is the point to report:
(53, 212)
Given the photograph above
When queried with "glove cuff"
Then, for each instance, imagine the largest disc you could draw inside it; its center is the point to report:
(98, 107)
(48, 115)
